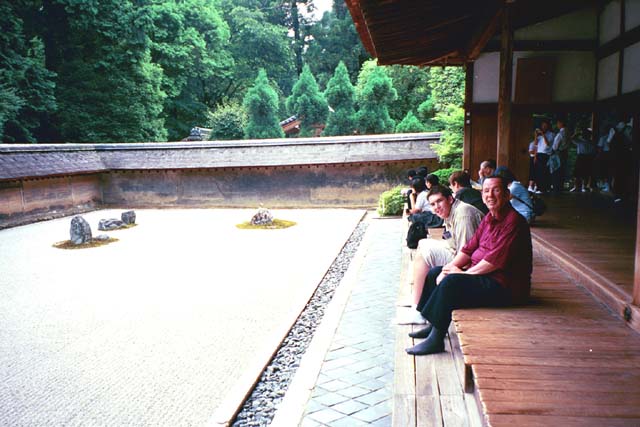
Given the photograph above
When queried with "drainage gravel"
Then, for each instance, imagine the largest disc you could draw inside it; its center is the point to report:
(260, 407)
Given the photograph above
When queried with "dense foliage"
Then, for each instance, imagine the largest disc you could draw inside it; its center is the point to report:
(391, 202)
(150, 70)
(308, 103)
(340, 95)
(261, 104)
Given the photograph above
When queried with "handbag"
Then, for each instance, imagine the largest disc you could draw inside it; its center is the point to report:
(539, 206)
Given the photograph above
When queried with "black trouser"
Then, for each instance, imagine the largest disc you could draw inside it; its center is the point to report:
(542, 172)
(437, 302)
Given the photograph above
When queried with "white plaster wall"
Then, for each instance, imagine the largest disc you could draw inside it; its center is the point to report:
(608, 76)
(631, 69)
(632, 14)
(573, 75)
(486, 75)
(610, 22)
(580, 25)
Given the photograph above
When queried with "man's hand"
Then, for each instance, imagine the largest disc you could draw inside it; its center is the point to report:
(447, 269)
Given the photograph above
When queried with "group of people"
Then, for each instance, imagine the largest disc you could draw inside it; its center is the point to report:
(483, 259)
(601, 165)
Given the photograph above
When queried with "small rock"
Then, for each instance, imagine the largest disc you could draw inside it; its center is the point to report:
(80, 231)
(128, 217)
(262, 217)
(101, 237)
(110, 224)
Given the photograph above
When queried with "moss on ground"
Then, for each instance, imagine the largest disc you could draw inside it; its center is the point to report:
(67, 244)
(277, 224)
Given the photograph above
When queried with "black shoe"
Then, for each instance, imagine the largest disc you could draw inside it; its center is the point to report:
(422, 333)
(426, 347)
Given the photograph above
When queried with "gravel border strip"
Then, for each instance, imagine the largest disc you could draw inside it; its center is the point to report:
(260, 408)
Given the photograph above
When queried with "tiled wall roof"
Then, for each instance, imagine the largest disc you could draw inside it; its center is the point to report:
(39, 160)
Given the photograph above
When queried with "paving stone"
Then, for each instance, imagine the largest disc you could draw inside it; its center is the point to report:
(330, 399)
(326, 415)
(349, 407)
(374, 413)
(335, 385)
(374, 397)
(382, 422)
(348, 422)
(314, 406)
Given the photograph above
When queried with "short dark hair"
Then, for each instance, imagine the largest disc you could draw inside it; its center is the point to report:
(440, 189)
(432, 179)
(505, 173)
(489, 163)
(411, 173)
(462, 178)
(422, 171)
(418, 184)
(503, 181)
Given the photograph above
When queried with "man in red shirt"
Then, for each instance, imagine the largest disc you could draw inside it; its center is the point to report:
(492, 269)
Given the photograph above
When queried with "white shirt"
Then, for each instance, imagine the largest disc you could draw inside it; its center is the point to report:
(543, 148)
(422, 203)
(561, 141)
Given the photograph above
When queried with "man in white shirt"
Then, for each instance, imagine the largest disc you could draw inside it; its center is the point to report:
(544, 137)
(560, 146)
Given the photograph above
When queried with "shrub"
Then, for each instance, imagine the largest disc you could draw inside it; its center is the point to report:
(391, 202)
(228, 122)
(443, 174)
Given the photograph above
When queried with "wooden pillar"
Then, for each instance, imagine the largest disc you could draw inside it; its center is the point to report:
(636, 147)
(504, 94)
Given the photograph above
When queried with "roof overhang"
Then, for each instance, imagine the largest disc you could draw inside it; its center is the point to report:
(443, 32)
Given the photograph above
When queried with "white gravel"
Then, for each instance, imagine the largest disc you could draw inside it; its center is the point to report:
(155, 328)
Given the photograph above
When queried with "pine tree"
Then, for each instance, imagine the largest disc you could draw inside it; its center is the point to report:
(261, 105)
(410, 124)
(340, 95)
(376, 93)
(308, 103)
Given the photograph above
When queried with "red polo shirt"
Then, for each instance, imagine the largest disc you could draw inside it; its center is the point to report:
(506, 244)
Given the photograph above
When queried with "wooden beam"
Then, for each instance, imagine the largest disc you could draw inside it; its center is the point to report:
(545, 45)
(483, 34)
(504, 94)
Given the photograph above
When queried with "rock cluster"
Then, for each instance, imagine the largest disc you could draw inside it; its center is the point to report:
(262, 217)
(127, 218)
(261, 406)
(80, 231)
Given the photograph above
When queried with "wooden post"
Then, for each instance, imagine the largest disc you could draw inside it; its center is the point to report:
(636, 276)
(504, 94)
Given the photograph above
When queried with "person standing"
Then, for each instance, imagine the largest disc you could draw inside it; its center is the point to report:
(544, 139)
(560, 146)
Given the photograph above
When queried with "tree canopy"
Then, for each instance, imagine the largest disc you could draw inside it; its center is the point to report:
(150, 70)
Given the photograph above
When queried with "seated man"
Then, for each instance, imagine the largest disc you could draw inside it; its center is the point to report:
(486, 170)
(460, 183)
(461, 221)
(492, 269)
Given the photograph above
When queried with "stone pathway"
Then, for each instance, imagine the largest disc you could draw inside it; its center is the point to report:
(354, 387)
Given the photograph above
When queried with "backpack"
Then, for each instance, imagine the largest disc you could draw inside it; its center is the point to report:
(539, 206)
(417, 231)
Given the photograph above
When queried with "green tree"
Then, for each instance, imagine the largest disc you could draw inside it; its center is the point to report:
(228, 122)
(410, 124)
(261, 105)
(426, 113)
(108, 90)
(26, 86)
(340, 95)
(449, 149)
(447, 86)
(375, 95)
(333, 39)
(307, 102)
(188, 40)
(412, 85)
(255, 43)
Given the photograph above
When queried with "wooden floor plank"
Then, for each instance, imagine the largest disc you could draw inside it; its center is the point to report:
(500, 420)
(429, 411)
(454, 411)
(574, 409)
(589, 397)
(404, 411)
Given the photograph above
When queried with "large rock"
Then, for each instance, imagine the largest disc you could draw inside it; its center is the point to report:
(80, 230)
(262, 217)
(128, 217)
(110, 224)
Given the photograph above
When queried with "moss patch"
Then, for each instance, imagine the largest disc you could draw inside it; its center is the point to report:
(277, 224)
(92, 244)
